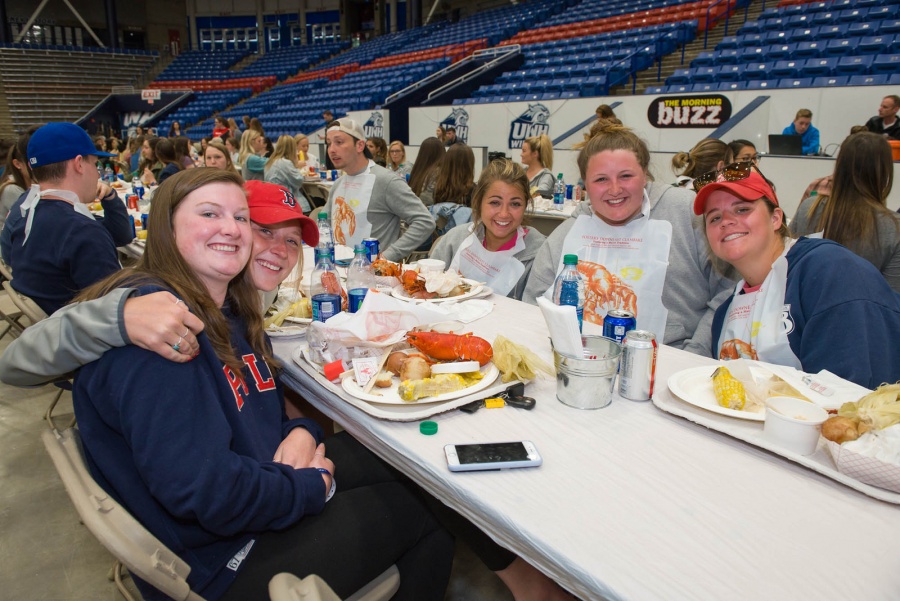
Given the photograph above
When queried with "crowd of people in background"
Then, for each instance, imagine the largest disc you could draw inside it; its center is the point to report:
(717, 254)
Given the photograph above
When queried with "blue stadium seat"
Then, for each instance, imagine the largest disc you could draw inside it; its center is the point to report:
(863, 29)
(728, 42)
(894, 80)
(799, 21)
(800, 82)
(705, 59)
(854, 65)
(787, 68)
(818, 67)
(802, 35)
(815, 7)
(730, 73)
(678, 89)
(778, 23)
(874, 44)
(830, 82)
(809, 49)
(762, 84)
(750, 27)
(753, 55)
(704, 87)
(869, 80)
(851, 15)
(754, 39)
(876, 13)
(702, 75)
(731, 86)
(654, 90)
(782, 51)
(886, 63)
(889, 26)
(756, 71)
(551, 95)
(827, 32)
(825, 18)
(568, 94)
(728, 56)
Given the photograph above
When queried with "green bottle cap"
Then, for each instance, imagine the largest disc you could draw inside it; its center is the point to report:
(570, 260)
(428, 428)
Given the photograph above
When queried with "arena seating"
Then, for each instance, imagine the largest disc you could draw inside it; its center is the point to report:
(844, 42)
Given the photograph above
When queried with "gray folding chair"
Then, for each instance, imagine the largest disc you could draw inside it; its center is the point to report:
(122, 535)
(287, 587)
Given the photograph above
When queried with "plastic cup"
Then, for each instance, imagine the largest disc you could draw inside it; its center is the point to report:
(426, 265)
(793, 424)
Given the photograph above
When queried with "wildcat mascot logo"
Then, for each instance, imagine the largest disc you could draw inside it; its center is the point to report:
(533, 122)
(374, 127)
(458, 119)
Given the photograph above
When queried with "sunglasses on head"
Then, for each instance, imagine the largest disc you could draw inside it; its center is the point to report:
(729, 173)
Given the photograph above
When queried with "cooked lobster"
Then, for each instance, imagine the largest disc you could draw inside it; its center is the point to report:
(452, 347)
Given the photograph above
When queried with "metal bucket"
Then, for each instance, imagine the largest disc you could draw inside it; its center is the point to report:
(588, 382)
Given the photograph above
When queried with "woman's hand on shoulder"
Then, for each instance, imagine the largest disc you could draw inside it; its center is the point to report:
(159, 322)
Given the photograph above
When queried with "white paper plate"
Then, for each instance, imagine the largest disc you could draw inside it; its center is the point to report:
(286, 331)
(475, 290)
(389, 396)
(694, 386)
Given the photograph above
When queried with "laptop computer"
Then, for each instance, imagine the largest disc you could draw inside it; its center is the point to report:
(785, 145)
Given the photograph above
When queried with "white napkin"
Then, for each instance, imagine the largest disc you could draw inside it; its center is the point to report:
(562, 321)
(467, 311)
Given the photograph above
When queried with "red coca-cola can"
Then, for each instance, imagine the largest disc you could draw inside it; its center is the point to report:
(131, 201)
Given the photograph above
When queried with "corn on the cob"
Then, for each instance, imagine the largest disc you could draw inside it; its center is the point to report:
(729, 391)
(412, 390)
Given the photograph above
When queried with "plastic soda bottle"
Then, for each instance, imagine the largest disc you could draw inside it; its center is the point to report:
(559, 192)
(325, 287)
(326, 238)
(360, 277)
(568, 289)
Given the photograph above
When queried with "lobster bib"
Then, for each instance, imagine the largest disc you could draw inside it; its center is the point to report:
(624, 267)
(501, 269)
(350, 208)
(758, 323)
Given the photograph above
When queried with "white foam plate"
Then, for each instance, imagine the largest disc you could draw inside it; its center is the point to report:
(475, 290)
(694, 386)
(389, 396)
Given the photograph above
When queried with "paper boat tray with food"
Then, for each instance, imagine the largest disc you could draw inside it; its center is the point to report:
(860, 442)
(394, 365)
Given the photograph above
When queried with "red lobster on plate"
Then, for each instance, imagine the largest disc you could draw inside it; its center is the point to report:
(452, 347)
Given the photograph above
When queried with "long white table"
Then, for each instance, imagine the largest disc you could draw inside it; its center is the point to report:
(634, 503)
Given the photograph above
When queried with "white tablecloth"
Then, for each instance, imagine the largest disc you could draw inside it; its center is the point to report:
(633, 503)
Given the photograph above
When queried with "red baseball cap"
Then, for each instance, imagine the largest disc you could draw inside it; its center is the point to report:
(270, 204)
(753, 187)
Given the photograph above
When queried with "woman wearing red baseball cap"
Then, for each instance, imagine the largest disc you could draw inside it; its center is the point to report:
(79, 334)
(806, 303)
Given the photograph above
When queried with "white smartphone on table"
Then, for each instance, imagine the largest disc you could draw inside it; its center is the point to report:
(491, 456)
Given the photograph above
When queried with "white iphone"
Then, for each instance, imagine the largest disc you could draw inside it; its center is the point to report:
(491, 456)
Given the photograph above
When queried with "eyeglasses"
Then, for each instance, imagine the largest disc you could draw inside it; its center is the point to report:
(729, 173)
(754, 157)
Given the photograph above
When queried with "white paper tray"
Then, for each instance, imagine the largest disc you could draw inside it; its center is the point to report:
(752, 432)
(398, 413)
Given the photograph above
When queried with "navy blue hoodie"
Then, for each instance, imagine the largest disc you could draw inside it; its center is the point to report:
(845, 317)
(187, 448)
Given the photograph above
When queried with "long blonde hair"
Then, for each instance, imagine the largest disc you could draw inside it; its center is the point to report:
(702, 158)
(509, 172)
(247, 139)
(285, 148)
(543, 147)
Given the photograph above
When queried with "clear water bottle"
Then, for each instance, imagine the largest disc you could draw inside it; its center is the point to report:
(360, 277)
(325, 287)
(568, 289)
(326, 238)
(559, 192)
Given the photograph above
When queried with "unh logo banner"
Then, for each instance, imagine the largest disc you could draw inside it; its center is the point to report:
(374, 127)
(533, 122)
(458, 119)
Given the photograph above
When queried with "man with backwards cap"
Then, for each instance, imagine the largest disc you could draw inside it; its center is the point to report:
(115, 217)
(81, 333)
(370, 201)
(53, 243)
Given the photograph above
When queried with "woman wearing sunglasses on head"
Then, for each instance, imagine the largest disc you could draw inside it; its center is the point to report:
(638, 246)
(808, 303)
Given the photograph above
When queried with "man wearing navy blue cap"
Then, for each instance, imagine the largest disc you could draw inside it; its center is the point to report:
(56, 248)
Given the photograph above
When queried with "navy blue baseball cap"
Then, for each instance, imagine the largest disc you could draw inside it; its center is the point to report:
(58, 142)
